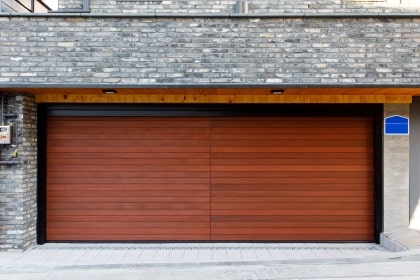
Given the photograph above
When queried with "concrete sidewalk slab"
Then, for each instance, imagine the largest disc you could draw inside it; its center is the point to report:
(401, 240)
(71, 255)
(399, 267)
(202, 261)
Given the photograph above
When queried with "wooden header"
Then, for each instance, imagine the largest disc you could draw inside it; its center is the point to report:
(222, 95)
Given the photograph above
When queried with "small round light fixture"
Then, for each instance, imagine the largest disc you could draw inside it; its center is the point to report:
(109, 91)
(277, 91)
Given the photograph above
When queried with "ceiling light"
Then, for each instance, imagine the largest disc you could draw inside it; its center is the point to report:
(109, 91)
(277, 91)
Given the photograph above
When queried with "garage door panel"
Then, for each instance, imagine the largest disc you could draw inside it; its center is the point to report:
(292, 231)
(193, 178)
(128, 237)
(291, 219)
(131, 135)
(292, 224)
(291, 187)
(105, 123)
(129, 174)
(119, 212)
(256, 193)
(116, 131)
(254, 170)
(293, 168)
(131, 231)
(128, 187)
(128, 206)
(129, 199)
(121, 164)
(117, 193)
(124, 149)
(290, 130)
(291, 180)
(298, 212)
(291, 143)
(268, 162)
(289, 122)
(102, 169)
(235, 149)
(129, 219)
(291, 206)
(131, 225)
(288, 136)
(290, 172)
(292, 237)
(66, 157)
(259, 157)
(122, 180)
(297, 199)
(127, 143)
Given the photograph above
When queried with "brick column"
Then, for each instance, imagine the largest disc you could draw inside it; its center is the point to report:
(18, 175)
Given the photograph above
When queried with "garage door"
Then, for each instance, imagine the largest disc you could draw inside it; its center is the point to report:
(209, 178)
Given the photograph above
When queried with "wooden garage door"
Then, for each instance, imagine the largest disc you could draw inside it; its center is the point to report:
(128, 179)
(292, 179)
(139, 178)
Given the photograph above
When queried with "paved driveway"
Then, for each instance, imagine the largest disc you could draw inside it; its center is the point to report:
(210, 261)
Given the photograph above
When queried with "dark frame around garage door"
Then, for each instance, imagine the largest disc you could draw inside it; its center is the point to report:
(255, 110)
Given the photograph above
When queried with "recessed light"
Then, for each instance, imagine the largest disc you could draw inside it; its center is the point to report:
(277, 91)
(109, 91)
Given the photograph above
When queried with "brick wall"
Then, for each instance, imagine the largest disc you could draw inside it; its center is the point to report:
(254, 6)
(18, 182)
(90, 50)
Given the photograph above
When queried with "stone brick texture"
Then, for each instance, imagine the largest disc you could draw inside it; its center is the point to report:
(254, 6)
(161, 50)
(18, 182)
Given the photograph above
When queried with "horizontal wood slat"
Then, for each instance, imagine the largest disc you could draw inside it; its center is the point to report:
(128, 187)
(289, 171)
(131, 225)
(99, 206)
(292, 237)
(290, 156)
(129, 218)
(106, 237)
(291, 219)
(65, 157)
(200, 178)
(293, 224)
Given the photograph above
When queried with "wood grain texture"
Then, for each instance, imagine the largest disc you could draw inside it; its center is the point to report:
(224, 95)
(128, 179)
(210, 179)
(264, 170)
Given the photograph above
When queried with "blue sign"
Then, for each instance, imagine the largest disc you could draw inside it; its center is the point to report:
(396, 125)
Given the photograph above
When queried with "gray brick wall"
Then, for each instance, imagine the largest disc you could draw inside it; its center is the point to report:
(90, 50)
(18, 182)
(255, 6)
(70, 4)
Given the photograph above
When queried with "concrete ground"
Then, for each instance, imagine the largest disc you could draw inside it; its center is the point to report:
(242, 261)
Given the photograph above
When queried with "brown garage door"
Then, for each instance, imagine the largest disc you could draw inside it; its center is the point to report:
(292, 179)
(139, 178)
(128, 179)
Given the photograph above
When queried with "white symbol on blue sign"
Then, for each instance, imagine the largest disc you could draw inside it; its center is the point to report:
(396, 125)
